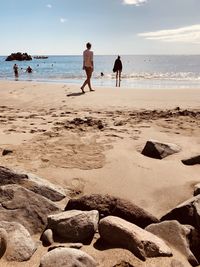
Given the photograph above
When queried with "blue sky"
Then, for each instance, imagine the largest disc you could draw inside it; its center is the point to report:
(112, 26)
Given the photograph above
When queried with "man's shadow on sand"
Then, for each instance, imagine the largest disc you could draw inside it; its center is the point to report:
(75, 94)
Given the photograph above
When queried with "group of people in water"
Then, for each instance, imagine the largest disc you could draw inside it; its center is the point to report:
(88, 66)
(16, 70)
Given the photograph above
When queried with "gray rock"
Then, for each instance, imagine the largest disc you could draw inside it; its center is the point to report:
(3, 241)
(31, 182)
(141, 243)
(20, 246)
(176, 234)
(26, 207)
(110, 205)
(67, 257)
(157, 150)
(74, 225)
(187, 212)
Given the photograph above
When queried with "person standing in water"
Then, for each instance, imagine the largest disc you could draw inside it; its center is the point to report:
(88, 66)
(118, 69)
(15, 68)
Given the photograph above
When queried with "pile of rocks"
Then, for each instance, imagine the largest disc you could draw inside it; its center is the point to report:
(18, 56)
(28, 207)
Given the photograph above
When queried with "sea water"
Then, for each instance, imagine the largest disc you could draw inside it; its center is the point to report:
(139, 71)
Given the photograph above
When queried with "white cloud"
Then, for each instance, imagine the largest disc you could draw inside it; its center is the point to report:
(63, 20)
(190, 34)
(134, 2)
(49, 6)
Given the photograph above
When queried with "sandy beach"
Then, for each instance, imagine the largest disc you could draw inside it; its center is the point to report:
(92, 143)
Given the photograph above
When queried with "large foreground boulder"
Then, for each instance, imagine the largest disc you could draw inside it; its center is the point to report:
(74, 225)
(18, 56)
(177, 235)
(187, 212)
(31, 182)
(20, 246)
(141, 243)
(67, 257)
(157, 150)
(26, 207)
(109, 205)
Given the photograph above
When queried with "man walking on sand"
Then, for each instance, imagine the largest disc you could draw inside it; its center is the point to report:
(88, 66)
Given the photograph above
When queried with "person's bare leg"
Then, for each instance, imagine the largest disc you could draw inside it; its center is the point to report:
(119, 78)
(85, 82)
(89, 75)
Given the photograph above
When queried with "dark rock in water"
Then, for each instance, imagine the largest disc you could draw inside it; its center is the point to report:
(191, 161)
(6, 152)
(26, 207)
(18, 56)
(40, 57)
(109, 205)
(187, 212)
(158, 150)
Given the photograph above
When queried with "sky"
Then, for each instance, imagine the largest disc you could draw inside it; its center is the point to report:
(63, 27)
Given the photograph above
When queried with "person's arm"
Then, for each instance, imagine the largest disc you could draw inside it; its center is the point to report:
(83, 60)
(92, 61)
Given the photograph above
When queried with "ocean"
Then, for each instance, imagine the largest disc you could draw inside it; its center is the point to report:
(139, 71)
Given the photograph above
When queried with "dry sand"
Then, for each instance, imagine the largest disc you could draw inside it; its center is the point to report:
(92, 142)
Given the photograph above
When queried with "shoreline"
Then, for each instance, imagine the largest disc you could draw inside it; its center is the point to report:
(130, 83)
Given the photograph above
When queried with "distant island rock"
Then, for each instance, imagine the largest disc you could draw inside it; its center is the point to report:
(18, 56)
(40, 57)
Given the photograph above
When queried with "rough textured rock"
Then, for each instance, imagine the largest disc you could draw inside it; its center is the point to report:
(109, 205)
(74, 225)
(26, 207)
(176, 234)
(157, 150)
(18, 56)
(20, 246)
(141, 243)
(67, 257)
(31, 182)
(191, 161)
(187, 212)
(3, 241)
